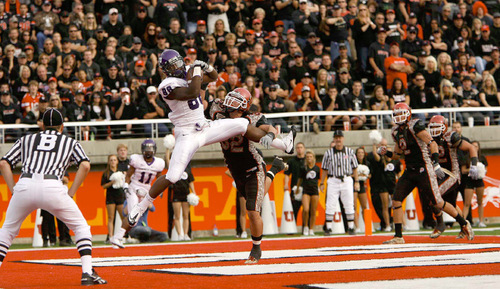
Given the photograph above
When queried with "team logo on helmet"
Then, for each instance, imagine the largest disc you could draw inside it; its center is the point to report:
(437, 125)
(401, 113)
(238, 99)
(172, 63)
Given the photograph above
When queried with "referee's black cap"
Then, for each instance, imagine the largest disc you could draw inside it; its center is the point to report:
(52, 117)
(338, 132)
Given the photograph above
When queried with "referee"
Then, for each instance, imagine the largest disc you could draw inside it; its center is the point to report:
(45, 156)
(339, 164)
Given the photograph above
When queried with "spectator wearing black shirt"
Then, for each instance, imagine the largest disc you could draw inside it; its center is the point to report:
(305, 22)
(410, 47)
(89, 66)
(395, 32)
(314, 59)
(253, 70)
(78, 110)
(114, 27)
(274, 47)
(141, 19)
(422, 96)
(377, 54)
(493, 66)
(364, 31)
(113, 79)
(153, 107)
(344, 83)
(462, 49)
(297, 71)
(271, 104)
(339, 31)
(63, 26)
(125, 109)
(174, 35)
(356, 101)
(483, 48)
(9, 114)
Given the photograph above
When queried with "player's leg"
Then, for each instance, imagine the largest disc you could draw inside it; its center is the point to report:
(254, 191)
(63, 207)
(20, 206)
(449, 191)
(185, 220)
(404, 186)
(243, 216)
(347, 197)
(306, 203)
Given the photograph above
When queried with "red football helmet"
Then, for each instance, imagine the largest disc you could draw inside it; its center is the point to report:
(437, 125)
(401, 113)
(238, 99)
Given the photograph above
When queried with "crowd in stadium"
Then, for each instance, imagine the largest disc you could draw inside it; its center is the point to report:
(97, 59)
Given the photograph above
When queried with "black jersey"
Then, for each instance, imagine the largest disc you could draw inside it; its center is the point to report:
(416, 152)
(240, 154)
(310, 178)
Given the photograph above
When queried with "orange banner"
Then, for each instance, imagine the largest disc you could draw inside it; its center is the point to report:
(217, 202)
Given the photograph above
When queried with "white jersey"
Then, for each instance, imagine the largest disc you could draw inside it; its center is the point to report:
(145, 172)
(183, 112)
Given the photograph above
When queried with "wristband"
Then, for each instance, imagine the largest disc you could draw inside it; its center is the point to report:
(473, 161)
(197, 71)
(272, 135)
(389, 154)
(435, 158)
(209, 69)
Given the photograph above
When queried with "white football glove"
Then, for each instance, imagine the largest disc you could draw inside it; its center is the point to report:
(202, 64)
(193, 199)
(439, 171)
(266, 141)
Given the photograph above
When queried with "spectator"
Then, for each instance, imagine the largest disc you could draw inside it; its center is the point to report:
(45, 21)
(422, 96)
(230, 42)
(334, 102)
(489, 96)
(396, 67)
(140, 21)
(309, 102)
(113, 27)
(63, 26)
(198, 10)
(377, 54)
(398, 93)
(174, 35)
(356, 101)
(115, 197)
(20, 85)
(449, 75)
(35, 116)
(380, 101)
(432, 74)
(410, 47)
(55, 102)
(363, 30)
(79, 111)
(274, 47)
(232, 83)
(124, 109)
(9, 114)
(217, 10)
(493, 66)
(153, 107)
(304, 21)
(30, 100)
(449, 99)
(99, 111)
(305, 81)
(344, 83)
(483, 48)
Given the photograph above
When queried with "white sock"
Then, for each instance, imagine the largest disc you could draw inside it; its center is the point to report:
(120, 234)
(144, 204)
(86, 264)
(278, 144)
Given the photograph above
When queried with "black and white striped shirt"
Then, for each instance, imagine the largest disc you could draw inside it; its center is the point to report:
(339, 163)
(47, 152)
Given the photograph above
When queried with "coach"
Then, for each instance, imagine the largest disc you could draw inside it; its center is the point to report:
(340, 165)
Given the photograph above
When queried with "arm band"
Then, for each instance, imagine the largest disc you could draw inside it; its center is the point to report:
(272, 135)
(197, 71)
(125, 185)
(209, 69)
(473, 161)
(435, 158)
(389, 154)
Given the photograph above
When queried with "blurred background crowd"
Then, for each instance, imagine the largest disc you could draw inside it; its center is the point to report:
(97, 60)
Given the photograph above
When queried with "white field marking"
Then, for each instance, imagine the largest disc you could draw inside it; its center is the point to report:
(271, 254)
(481, 281)
(288, 238)
(285, 268)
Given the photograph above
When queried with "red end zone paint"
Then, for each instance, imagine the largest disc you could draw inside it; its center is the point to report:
(14, 274)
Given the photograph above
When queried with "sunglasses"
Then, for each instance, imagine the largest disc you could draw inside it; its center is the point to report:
(298, 56)
(419, 79)
(280, 26)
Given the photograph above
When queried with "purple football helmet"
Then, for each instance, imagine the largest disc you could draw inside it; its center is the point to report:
(172, 64)
(148, 148)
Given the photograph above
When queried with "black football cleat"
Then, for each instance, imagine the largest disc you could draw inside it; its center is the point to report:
(92, 279)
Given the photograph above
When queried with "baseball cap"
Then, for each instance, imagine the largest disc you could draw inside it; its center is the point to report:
(412, 29)
(426, 42)
(395, 44)
(306, 88)
(343, 70)
(47, 3)
(342, 46)
(52, 79)
(311, 34)
(99, 28)
(80, 91)
(125, 90)
(143, 53)
(151, 89)
(64, 14)
(298, 53)
(189, 36)
(212, 51)
(256, 21)
(279, 23)
(229, 63)
(302, 1)
(336, 7)
(65, 40)
(97, 75)
(201, 22)
(274, 68)
(466, 78)
(460, 39)
(338, 132)
(113, 10)
(318, 41)
(485, 28)
(139, 63)
(250, 31)
(496, 15)
(273, 34)
(13, 19)
(21, 55)
(381, 30)
(191, 51)
(29, 46)
(137, 40)
(251, 61)
(74, 78)
(43, 99)
(142, 8)
(52, 117)
(422, 53)
(413, 15)
(458, 16)
(291, 30)
(390, 11)
(114, 65)
(307, 74)
(495, 48)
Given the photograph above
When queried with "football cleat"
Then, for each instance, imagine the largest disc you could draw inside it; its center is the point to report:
(135, 215)
(255, 255)
(92, 279)
(467, 231)
(117, 243)
(395, 240)
(279, 164)
(351, 231)
(328, 232)
(440, 227)
(289, 140)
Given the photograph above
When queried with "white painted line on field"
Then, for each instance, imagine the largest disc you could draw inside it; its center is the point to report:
(481, 281)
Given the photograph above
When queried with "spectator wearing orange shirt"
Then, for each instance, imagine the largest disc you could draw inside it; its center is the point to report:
(31, 98)
(396, 67)
(224, 76)
(297, 90)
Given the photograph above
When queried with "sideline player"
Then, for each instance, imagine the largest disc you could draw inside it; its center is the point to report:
(142, 170)
(192, 129)
(422, 169)
(45, 156)
(245, 163)
(448, 143)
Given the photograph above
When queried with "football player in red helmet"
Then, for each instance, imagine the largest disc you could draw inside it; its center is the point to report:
(238, 99)
(423, 170)
(448, 142)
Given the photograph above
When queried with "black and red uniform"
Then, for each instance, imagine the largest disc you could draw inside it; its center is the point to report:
(448, 159)
(244, 160)
(419, 170)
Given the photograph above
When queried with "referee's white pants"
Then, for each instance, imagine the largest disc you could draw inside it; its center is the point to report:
(50, 195)
(189, 139)
(344, 189)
